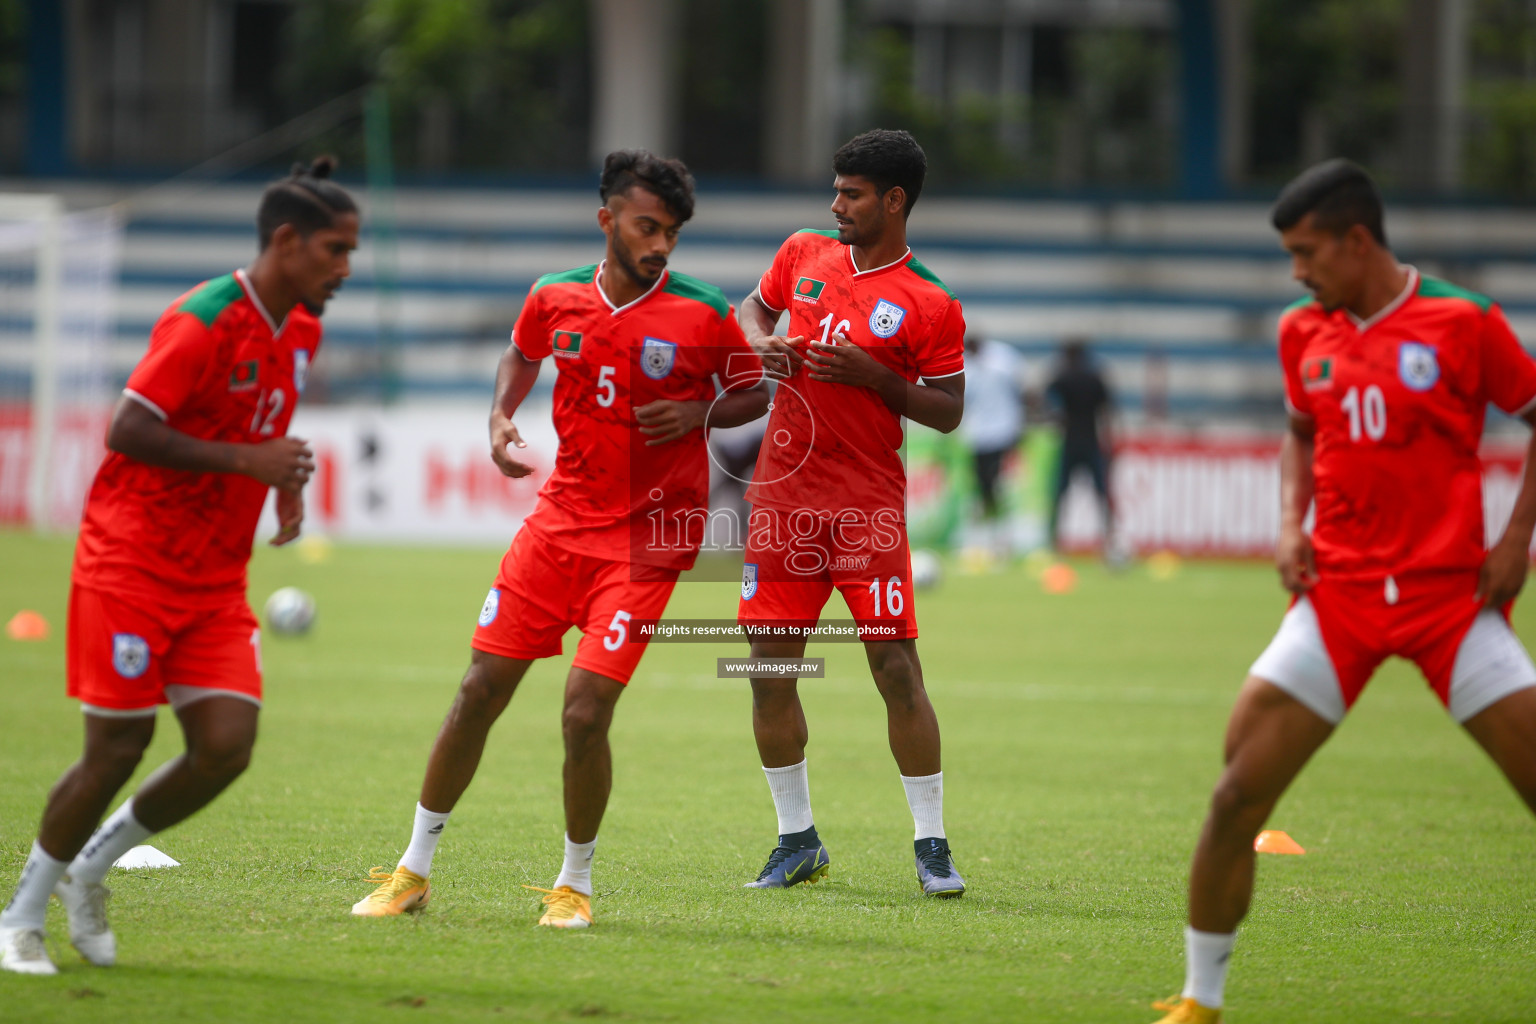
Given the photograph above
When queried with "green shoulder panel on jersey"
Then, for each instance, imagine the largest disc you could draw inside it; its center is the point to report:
(699, 291)
(1297, 306)
(211, 298)
(581, 275)
(1434, 288)
(823, 232)
(923, 272)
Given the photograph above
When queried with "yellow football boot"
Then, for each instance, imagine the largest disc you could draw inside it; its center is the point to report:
(1183, 1010)
(399, 891)
(567, 908)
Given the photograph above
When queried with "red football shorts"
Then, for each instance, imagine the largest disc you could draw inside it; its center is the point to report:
(127, 655)
(543, 590)
(795, 559)
(1422, 617)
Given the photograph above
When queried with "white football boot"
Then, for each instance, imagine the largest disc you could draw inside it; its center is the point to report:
(22, 950)
(89, 933)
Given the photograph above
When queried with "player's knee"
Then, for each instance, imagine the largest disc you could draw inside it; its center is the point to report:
(1234, 802)
(115, 757)
(582, 722)
(481, 692)
(222, 757)
(895, 673)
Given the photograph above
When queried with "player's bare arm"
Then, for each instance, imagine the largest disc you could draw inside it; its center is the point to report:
(664, 421)
(781, 355)
(283, 462)
(1504, 570)
(515, 375)
(937, 402)
(1294, 556)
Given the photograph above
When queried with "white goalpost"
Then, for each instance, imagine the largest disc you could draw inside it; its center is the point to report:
(58, 283)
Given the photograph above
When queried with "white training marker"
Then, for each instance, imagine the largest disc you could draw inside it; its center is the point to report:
(145, 857)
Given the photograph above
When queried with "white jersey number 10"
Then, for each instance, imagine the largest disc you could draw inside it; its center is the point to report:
(1367, 409)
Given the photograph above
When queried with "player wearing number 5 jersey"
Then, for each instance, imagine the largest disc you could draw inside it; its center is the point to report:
(157, 608)
(1388, 375)
(639, 352)
(873, 336)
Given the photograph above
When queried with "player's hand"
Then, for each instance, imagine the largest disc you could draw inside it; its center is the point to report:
(285, 462)
(781, 356)
(664, 420)
(505, 440)
(290, 516)
(1296, 560)
(1502, 575)
(842, 362)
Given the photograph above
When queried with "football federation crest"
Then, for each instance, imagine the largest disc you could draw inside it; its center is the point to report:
(244, 376)
(886, 319)
(566, 343)
(1417, 366)
(808, 289)
(748, 581)
(1317, 374)
(491, 607)
(130, 655)
(656, 357)
(300, 368)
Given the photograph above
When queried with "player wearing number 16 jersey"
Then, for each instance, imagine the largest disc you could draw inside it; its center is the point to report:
(639, 351)
(873, 336)
(157, 608)
(1388, 375)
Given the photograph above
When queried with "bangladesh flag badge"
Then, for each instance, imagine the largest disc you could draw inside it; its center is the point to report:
(808, 289)
(1317, 374)
(243, 377)
(567, 343)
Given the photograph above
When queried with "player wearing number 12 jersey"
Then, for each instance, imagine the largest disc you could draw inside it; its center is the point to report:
(157, 608)
(1388, 375)
(639, 351)
(873, 336)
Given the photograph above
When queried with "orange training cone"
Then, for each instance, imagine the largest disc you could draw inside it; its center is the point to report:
(1059, 578)
(1275, 841)
(27, 625)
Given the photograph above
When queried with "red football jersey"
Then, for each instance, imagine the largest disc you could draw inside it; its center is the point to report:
(219, 369)
(831, 447)
(1399, 402)
(610, 495)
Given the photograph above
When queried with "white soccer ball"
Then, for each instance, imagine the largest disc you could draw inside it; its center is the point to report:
(290, 611)
(927, 570)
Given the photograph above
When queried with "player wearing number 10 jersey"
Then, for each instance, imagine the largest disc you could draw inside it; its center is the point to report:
(639, 351)
(1388, 375)
(873, 336)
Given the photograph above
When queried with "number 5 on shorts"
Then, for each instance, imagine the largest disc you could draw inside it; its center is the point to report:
(619, 627)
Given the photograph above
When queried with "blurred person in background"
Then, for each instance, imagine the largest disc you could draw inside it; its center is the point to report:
(157, 606)
(1084, 403)
(992, 427)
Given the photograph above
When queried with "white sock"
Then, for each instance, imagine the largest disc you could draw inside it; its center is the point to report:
(117, 835)
(1206, 956)
(925, 795)
(29, 906)
(425, 833)
(791, 789)
(576, 871)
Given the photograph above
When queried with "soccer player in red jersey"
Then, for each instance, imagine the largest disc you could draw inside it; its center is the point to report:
(638, 350)
(157, 608)
(1388, 375)
(873, 336)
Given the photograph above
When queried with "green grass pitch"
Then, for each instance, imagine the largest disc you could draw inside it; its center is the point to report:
(1082, 734)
